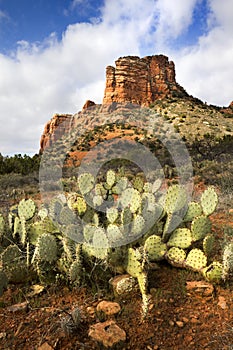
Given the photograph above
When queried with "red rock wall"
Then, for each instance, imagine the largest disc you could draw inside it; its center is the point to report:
(54, 129)
(141, 80)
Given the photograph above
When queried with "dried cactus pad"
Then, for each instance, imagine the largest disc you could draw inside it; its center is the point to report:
(26, 209)
(209, 201)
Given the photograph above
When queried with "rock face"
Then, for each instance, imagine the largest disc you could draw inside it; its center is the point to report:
(54, 129)
(134, 80)
(141, 80)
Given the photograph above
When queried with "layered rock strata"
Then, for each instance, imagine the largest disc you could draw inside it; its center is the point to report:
(141, 80)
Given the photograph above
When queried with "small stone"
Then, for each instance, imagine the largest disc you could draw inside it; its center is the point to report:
(185, 319)
(45, 346)
(171, 323)
(180, 324)
(222, 302)
(200, 287)
(123, 284)
(3, 335)
(108, 333)
(108, 307)
(194, 320)
(18, 307)
(91, 311)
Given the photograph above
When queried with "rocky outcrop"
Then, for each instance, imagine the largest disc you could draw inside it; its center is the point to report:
(141, 80)
(88, 104)
(54, 129)
(134, 81)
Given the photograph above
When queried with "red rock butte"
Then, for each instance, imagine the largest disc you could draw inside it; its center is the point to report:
(141, 80)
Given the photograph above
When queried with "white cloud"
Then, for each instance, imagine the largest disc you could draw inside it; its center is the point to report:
(206, 69)
(174, 17)
(41, 79)
(3, 15)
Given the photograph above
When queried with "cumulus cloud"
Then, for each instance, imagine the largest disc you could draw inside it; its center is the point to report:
(174, 17)
(206, 69)
(41, 79)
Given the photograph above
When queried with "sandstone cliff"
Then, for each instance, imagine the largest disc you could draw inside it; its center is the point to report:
(136, 80)
(51, 131)
(141, 80)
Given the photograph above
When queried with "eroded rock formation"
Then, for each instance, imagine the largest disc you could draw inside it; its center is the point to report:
(141, 80)
(54, 129)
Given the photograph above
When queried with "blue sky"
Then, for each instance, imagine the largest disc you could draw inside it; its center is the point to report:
(53, 54)
(35, 20)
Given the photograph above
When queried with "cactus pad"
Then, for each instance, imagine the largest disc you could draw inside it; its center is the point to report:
(227, 260)
(110, 178)
(175, 199)
(176, 256)
(131, 199)
(14, 264)
(47, 248)
(155, 248)
(209, 201)
(3, 282)
(200, 227)
(86, 183)
(138, 224)
(213, 272)
(208, 243)
(196, 259)
(26, 209)
(75, 272)
(112, 214)
(138, 183)
(180, 238)
(194, 210)
(114, 234)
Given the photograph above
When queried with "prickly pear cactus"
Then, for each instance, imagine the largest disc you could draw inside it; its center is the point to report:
(180, 238)
(209, 201)
(3, 281)
(125, 224)
(110, 178)
(200, 227)
(14, 264)
(194, 210)
(208, 243)
(176, 199)
(155, 248)
(86, 183)
(26, 209)
(176, 256)
(227, 260)
(196, 259)
(46, 248)
(213, 272)
(2, 226)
